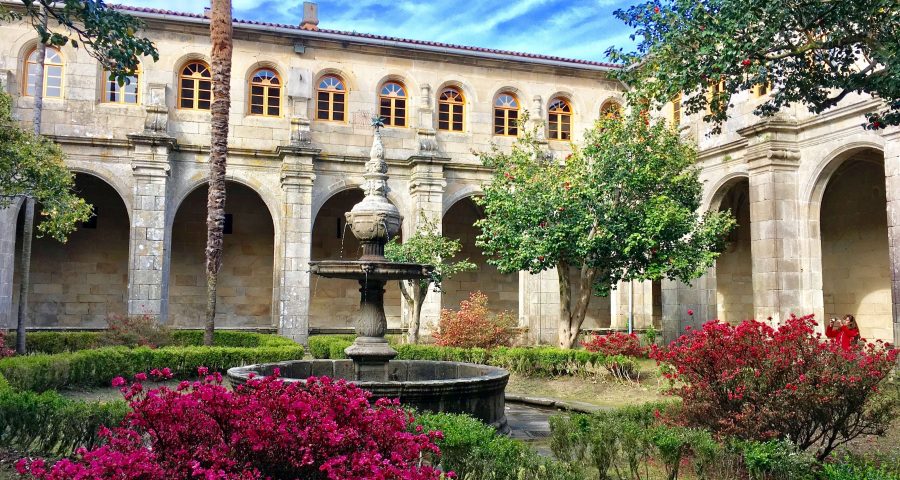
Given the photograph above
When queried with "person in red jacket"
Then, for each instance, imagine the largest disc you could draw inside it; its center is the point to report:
(845, 332)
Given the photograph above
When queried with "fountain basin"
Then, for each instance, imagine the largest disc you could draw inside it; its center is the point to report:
(370, 270)
(451, 387)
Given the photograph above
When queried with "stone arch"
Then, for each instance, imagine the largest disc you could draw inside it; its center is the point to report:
(733, 272)
(334, 303)
(110, 178)
(464, 192)
(247, 280)
(271, 201)
(84, 281)
(712, 200)
(502, 289)
(848, 238)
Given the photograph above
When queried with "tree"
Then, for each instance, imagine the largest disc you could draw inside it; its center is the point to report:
(426, 246)
(809, 53)
(220, 30)
(33, 167)
(623, 206)
(109, 37)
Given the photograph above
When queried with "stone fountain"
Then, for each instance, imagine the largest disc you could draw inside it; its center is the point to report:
(429, 385)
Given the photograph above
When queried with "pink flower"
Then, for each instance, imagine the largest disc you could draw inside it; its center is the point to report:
(118, 382)
(690, 312)
(140, 376)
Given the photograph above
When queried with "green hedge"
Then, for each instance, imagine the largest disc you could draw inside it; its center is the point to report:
(476, 452)
(528, 361)
(88, 368)
(50, 424)
(62, 342)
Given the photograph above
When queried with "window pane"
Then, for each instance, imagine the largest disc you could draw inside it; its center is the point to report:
(323, 99)
(256, 90)
(203, 105)
(400, 122)
(187, 102)
(339, 97)
(256, 109)
(204, 95)
(339, 116)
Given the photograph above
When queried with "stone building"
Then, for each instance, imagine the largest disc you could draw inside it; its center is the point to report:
(809, 191)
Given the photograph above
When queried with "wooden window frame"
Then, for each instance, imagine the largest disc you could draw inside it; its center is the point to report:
(136, 81)
(455, 105)
(267, 93)
(391, 119)
(62, 72)
(563, 116)
(676, 110)
(510, 126)
(331, 92)
(611, 108)
(196, 86)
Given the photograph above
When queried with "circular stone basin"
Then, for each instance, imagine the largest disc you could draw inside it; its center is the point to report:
(368, 269)
(451, 387)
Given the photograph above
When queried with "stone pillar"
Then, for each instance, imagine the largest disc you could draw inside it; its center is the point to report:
(148, 263)
(426, 189)
(892, 181)
(294, 293)
(8, 218)
(773, 159)
(680, 301)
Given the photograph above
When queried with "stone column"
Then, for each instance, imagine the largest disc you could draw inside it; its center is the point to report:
(8, 218)
(892, 181)
(679, 300)
(296, 182)
(773, 159)
(426, 189)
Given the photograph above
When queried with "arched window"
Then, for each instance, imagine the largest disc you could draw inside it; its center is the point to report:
(331, 99)
(53, 73)
(392, 103)
(560, 120)
(506, 115)
(450, 110)
(195, 87)
(126, 93)
(611, 108)
(265, 93)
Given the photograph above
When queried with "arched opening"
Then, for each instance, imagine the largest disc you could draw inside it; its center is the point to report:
(334, 302)
(734, 268)
(82, 282)
(856, 275)
(245, 286)
(502, 290)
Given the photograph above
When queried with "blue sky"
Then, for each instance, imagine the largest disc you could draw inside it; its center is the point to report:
(568, 28)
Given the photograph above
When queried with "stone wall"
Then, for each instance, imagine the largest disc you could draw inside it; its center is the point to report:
(82, 282)
(245, 280)
(855, 263)
(734, 268)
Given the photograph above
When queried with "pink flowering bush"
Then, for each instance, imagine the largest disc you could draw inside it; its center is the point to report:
(4, 351)
(266, 429)
(755, 382)
(616, 343)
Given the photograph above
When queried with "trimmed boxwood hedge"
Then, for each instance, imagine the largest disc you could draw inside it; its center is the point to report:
(62, 342)
(527, 361)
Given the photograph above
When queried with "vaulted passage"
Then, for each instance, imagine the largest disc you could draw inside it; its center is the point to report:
(734, 268)
(335, 301)
(82, 282)
(245, 281)
(502, 290)
(856, 276)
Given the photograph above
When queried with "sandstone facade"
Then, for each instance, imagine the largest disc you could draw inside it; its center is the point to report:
(816, 196)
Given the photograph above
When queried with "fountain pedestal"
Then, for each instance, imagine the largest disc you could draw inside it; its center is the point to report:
(370, 351)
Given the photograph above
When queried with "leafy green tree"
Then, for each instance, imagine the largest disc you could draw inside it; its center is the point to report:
(429, 247)
(32, 167)
(811, 53)
(622, 206)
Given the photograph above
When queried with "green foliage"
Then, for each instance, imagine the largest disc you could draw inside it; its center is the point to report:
(32, 166)
(775, 459)
(427, 246)
(650, 336)
(525, 361)
(107, 34)
(624, 205)
(49, 424)
(810, 53)
(854, 468)
(476, 452)
(61, 342)
(91, 368)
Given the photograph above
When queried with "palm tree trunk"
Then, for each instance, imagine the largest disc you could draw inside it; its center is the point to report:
(220, 30)
(28, 224)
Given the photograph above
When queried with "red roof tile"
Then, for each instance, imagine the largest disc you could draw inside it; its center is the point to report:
(370, 36)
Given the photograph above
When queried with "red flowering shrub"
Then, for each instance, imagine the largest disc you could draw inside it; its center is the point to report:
(616, 343)
(475, 326)
(4, 351)
(755, 382)
(266, 429)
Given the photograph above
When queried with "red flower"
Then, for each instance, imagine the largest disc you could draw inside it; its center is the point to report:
(690, 312)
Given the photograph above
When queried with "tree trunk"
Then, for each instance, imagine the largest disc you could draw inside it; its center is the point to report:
(28, 224)
(570, 319)
(220, 29)
(414, 294)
